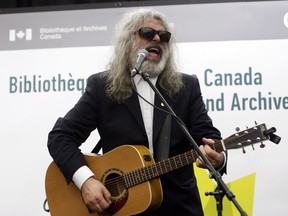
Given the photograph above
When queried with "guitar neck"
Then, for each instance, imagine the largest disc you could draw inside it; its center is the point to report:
(147, 173)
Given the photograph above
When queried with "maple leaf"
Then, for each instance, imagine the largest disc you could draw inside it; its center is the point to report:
(20, 34)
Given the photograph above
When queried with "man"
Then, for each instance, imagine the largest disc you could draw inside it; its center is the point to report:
(112, 106)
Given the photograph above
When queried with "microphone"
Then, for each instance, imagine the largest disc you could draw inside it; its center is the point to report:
(141, 57)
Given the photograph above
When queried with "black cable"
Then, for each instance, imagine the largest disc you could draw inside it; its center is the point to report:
(44, 206)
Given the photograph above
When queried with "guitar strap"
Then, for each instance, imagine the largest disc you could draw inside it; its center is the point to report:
(161, 147)
(97, 148)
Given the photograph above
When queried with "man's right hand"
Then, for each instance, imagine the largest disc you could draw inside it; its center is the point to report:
(96, 196)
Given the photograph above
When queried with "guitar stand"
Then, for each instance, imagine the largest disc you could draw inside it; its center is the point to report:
(218, 195)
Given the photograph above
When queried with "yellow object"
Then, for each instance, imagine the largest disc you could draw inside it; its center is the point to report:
(242, 188)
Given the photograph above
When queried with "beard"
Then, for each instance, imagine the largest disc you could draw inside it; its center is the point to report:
(151, 67)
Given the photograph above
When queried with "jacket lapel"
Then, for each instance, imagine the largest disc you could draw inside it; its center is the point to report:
(133, 105)
(159, 116)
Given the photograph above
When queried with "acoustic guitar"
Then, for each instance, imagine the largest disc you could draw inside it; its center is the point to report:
(131, 175)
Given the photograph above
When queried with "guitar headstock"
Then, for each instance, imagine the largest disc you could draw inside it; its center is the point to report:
(250, 136)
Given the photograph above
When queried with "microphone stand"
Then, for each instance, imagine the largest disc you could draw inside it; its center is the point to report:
(218, 195)
(213, 173)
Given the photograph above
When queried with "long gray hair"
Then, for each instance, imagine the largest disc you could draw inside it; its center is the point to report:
(119, 86)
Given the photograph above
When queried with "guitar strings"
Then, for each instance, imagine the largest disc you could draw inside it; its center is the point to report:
(135, 177)
(149, 172)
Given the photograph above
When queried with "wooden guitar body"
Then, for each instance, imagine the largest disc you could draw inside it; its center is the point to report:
(66, 200)
(132, 177)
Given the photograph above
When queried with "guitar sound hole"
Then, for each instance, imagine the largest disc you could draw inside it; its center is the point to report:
(113, 180)
(115, 184)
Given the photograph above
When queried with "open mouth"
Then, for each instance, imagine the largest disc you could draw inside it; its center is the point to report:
(154, 53)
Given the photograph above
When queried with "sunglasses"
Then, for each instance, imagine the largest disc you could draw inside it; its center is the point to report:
(149, 33)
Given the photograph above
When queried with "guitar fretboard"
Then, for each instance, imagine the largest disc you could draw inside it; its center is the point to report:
(147, 173)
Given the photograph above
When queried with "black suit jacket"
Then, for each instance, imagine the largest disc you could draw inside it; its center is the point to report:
(120, 124)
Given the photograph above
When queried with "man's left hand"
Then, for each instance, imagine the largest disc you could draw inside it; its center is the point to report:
(215, 158)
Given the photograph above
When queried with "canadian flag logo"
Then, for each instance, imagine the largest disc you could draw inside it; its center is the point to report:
(20, 35)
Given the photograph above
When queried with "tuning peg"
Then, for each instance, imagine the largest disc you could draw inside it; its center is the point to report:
(269, 131)
(274, 138)
(243, 150)
(237, 129)
(262, 145)
(253, 147)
